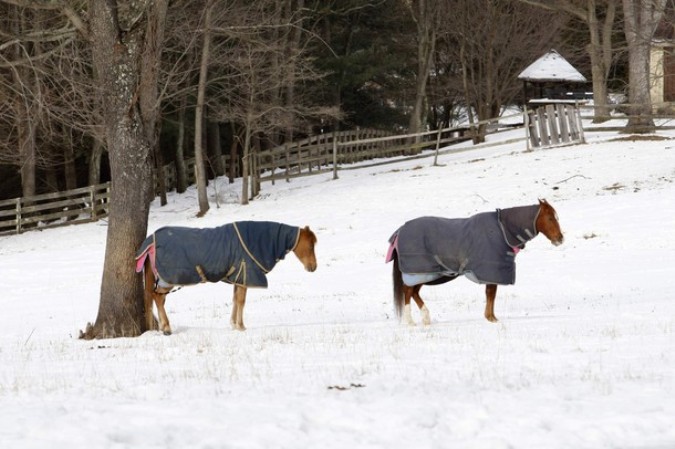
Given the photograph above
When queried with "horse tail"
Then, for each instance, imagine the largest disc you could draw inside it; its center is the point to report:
(397, 280)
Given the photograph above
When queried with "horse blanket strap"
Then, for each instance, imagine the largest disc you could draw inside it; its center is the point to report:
(479, 247)
(240, 253)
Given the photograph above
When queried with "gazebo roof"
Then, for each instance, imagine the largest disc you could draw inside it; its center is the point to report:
(551, 67)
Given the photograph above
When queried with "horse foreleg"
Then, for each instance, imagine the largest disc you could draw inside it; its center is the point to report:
(160, 299)
(490, 294)
(238, 302)
(426, 317)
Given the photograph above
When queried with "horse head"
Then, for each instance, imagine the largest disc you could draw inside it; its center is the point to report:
(304, 249)
(547, 223)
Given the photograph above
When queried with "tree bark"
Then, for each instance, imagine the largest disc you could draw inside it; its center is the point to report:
(640, 21)
(181, 170)
(426, 41)
(24, 117)
(200, 166)
(119, 51)
(215, 148)
(69, 169)
(95, 163)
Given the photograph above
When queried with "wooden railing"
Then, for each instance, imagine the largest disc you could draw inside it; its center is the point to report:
(331, 151)
(171, 177)
(54, 209)
(316, 154)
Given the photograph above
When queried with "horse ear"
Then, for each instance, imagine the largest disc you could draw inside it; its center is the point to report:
(542, 201)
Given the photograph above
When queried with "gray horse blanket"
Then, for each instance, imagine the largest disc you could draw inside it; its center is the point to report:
(240, 253)
(482, 247)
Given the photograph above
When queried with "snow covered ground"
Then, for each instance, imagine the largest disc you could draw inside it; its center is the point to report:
(583, 355)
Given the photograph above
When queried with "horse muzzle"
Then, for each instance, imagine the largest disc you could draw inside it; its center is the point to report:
(559, 241)
(311, 267)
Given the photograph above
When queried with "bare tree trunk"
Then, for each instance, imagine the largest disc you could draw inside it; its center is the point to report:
(600, 52)
(215, 148)
(200, 166)
(125, 66)
(234, 160)
(69, 169)
(181, 170)
(255, 175)
(27, 150)
(24, 118)
(245, 165)
(160, 176)
(475, 135)
(641, 18)
(95, 163)
(426, 42)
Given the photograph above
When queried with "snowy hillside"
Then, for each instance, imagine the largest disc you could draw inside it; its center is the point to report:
(582, 356)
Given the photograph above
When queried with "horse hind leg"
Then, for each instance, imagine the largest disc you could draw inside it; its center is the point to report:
(426, 316)
(148, 296)
(407, 315)
(238, 302)
(490, 295)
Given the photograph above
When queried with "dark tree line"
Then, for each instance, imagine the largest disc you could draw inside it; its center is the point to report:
(114, 89)
(236, 76)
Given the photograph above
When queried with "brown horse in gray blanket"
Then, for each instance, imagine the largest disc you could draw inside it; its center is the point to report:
(483, 247)
(240, 253)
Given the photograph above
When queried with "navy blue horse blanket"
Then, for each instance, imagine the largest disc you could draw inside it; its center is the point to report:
(482, 247)
(239, 253)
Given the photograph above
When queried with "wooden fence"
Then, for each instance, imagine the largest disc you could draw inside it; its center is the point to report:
(313, 155)
(326, 152)
(331, 151)
(171, 177)
(54, 209)
(553, 124)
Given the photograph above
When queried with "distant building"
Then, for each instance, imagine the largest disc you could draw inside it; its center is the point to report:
(551, 77)
(662, 66)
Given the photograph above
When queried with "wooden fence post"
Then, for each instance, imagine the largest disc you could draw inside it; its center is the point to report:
(92, 199)
(335, 146)
(18, 215)
(438, 144)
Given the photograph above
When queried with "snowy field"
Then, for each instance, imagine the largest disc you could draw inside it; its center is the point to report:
(583, 355)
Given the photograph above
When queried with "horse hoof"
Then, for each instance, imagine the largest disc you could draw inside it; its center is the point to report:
(167, 332)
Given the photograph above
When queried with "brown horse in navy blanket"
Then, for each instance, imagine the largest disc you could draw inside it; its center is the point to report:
(240, 253)
(483, 247)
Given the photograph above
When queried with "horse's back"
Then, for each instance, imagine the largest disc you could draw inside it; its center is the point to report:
(472, 246)
(187, 256)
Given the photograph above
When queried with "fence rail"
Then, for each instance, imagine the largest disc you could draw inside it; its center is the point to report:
(49, 210)
(315, 154)
(332, 150)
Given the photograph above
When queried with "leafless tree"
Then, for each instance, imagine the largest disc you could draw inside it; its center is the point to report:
(600, 18)
(641, 18)
(258, 60)
(200, 166)
(126, 40)
(427, 15)
(492, 45)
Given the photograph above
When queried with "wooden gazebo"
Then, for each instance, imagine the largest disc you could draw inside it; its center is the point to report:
(551, 77)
